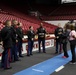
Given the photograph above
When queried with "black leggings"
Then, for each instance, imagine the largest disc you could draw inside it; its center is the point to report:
(72, 46)
(65, 49)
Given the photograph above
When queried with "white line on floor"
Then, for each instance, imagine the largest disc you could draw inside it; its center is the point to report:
(37, 70)
(60, 68)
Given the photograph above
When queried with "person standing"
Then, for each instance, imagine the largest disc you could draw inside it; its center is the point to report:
(30, 34)
(41, 37)
(14, 51)
(58, 35)
(19, 38)
(72, 39)
(7, 45)
(65, 36)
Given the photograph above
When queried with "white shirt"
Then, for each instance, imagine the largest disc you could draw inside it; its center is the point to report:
(72, 33)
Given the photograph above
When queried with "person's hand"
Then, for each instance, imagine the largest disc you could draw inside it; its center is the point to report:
(1, 43)
(32, 39)
(2, 46)
(22, 38)
(60, 33)
(16, 41)
(74, 36)
(57, 37)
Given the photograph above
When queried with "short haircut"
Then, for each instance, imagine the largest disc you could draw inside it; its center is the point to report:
(13, 21)
(30, 27)
(18, 24)
(6, 22)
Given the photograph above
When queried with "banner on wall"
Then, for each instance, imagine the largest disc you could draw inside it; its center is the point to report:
(48, 43)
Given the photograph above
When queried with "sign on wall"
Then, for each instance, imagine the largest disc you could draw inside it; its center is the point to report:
(48, 43)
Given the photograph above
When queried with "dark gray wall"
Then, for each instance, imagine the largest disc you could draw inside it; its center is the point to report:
(33, 1)
(48, 1)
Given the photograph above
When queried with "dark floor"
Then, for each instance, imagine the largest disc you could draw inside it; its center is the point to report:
(69, 69)
(27, 62)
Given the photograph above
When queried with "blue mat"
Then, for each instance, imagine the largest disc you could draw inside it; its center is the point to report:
(47, 67)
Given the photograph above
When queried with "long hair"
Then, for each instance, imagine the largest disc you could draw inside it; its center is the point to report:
(72, 27)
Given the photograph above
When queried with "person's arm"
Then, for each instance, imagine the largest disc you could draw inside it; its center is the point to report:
(18, 33)
(55, 33)
(45, 31)
(37, 31)
(13, 34)
(29, 35)
(22, 34)
(66, 34)
(0, 36)
(7, 35)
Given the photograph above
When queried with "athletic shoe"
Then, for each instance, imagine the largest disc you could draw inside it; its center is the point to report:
(44, 52)
(8, 68)
(56, 52)
(71, 62)
(21, 56)
(28, 55)
(31, 54)
(64, 57)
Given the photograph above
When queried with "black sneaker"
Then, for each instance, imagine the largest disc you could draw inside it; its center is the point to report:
(39, 52)
(56, 52)
(21, 56)
(8, 68)
(60, 52)
(18, 60)
(44, 52)
(31, 54)
(1, 66)
(71, 62)
(28, 55)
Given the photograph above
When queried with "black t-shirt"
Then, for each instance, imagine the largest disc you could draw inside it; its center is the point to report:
(30, 34)
(41, 33)
(58, 33)
(19, 33)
